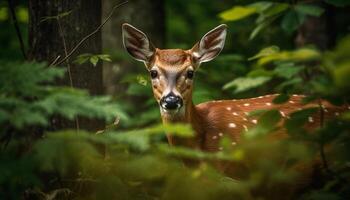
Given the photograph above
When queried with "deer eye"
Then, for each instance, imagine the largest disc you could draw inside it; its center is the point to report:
(154, 74)
(190, 74)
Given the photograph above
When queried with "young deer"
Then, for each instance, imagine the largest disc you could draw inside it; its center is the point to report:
(172, 72)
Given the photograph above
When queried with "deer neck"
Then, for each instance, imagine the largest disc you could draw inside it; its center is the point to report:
(189, 115)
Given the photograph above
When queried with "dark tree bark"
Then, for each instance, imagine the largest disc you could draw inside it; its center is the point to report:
(46, 44)
(143, 14)
(318, 31)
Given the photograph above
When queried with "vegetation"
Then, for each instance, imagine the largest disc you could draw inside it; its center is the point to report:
(130, 159)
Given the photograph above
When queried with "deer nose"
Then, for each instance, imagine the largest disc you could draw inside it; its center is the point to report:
(171, 101)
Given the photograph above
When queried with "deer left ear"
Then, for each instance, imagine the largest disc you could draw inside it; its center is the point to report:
(210, 45)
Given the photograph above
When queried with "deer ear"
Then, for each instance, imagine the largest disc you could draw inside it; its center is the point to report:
(137, 43)
(210, 45)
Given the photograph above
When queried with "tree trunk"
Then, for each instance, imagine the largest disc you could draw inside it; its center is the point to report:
(318, 31)
(143, 14)
(77, 19)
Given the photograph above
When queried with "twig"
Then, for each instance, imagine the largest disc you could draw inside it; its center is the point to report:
(91, 34)
(323, 155)
(68, 64)
(15, 22)
(54, 61)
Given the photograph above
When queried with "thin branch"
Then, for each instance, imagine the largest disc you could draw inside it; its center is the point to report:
(90, 35)
(68, 64)
(54, 61)
(322, 153)
(18, 32)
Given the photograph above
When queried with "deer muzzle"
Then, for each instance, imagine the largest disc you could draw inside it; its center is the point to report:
(171, 102)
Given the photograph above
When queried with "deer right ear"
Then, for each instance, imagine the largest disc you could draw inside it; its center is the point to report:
(137, 43)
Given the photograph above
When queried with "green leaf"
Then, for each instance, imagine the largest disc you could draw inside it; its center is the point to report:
(265, 52)
(237, 13)
(266, 123)
(22, 14)
(94, 60)
(82, 58)
(277, 8)
(297, 120)
(260, 72)
(64, 14)
(299, 55)
(309, 10)
(292, 20)
(105, 57)
(280, 99)
(244, 84)
(142, 80)
(287, 70)
(4, 14)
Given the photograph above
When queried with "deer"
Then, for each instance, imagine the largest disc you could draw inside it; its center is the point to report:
(172, 74)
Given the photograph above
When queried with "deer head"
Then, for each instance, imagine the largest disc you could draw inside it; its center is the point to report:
(172, 70)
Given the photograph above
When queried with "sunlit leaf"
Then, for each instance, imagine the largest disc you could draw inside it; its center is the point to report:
(243, 84)
(304, 54)
(22, 14)
(237, 13)
(94, 60)
(3, 13)
(265, 52)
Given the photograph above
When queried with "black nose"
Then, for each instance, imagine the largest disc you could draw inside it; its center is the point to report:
(171, 101)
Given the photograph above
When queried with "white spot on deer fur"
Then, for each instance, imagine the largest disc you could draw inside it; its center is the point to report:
(245, 119)
(325, 110)
(214, 137)
(255, 121)
(221, 134)
(245, 127)
(246, 113)
(291, 102)
(234, 113)
(246, 104)
(260, 97)
(268, 104)
(232, 125)
(311, 119)
(282, 113)
(228, 108)
(295, 95)
(233, 143)
(336, 114)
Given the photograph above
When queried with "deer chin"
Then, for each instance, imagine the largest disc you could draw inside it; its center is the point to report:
(173, 113)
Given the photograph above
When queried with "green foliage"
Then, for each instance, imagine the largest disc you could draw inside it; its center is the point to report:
(292, 16)
(93, 59)
(26, 98)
